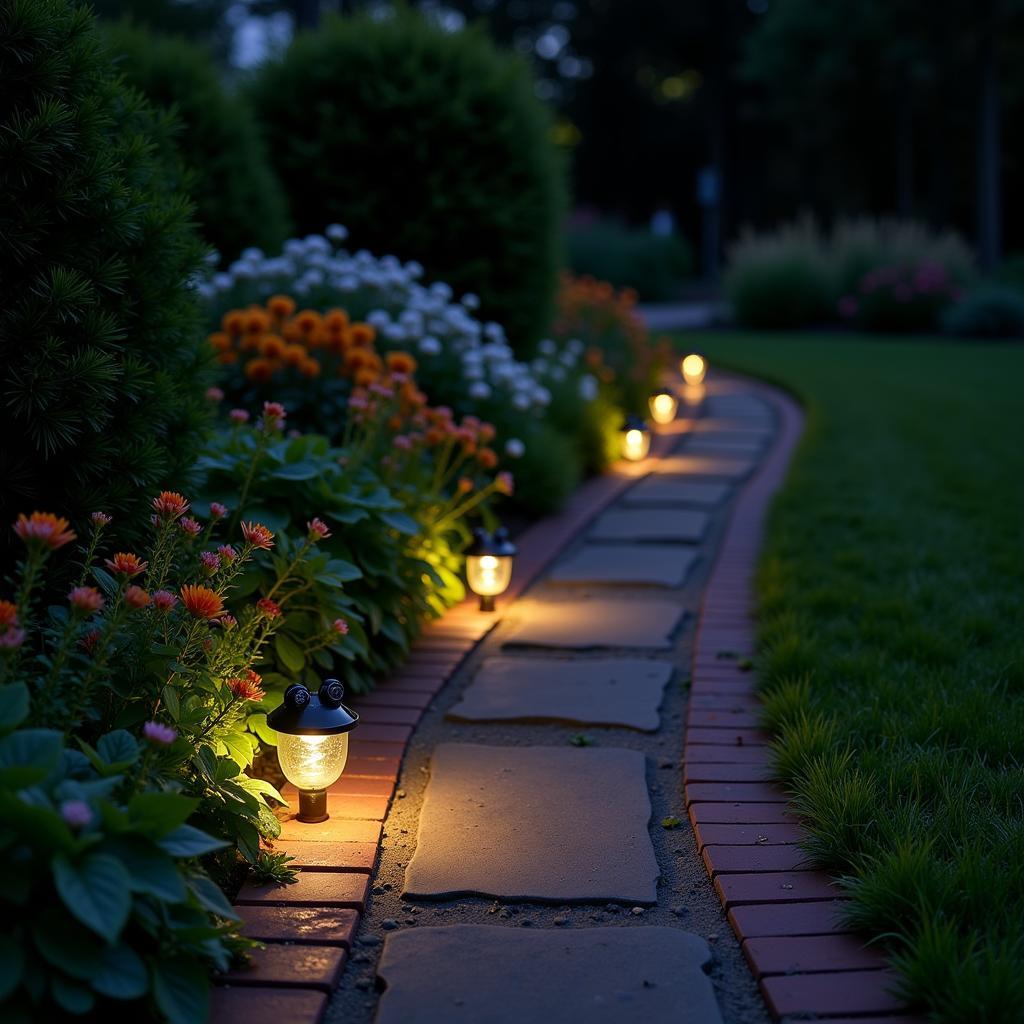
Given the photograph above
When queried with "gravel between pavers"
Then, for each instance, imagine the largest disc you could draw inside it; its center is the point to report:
(685, 896)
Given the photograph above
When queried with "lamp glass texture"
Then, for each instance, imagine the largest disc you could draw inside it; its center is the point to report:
(489, 565)
(693, 368)
(636, 441)
(312, 762)
(663, 407)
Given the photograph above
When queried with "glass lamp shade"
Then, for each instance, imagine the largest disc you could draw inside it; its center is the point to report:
(312, 762)
(488, 575)
(663, 407)
(693, 368)
(636, 443)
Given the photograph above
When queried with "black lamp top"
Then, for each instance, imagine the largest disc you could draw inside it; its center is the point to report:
(633, 422)
(485, 543)
(303, 713)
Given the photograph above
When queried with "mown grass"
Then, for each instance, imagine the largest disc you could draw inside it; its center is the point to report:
(891, 610)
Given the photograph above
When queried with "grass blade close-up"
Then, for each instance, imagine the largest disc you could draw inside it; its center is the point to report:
(892, 647)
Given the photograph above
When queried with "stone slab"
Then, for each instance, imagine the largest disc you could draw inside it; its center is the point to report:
(659, 489)
(594, 622)
(678, 525)
(535, 823)
(713, 444)
(484, 974)
(319, 926)
(713, 425)
(722, 467)
(266, 1005)
(605, 691)
(282, 965)
(654, 564)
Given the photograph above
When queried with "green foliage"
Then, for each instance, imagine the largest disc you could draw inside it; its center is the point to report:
(653, 265)
(428, 144)
(780, 279)
(987, 311)
(238, 200)
(273, 869)
(893, 663)
(99, 342)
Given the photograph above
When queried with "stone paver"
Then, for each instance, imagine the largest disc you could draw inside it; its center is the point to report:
(715, 444)
(651, 564)
(553, 824)
(658, 489)
(594, 622)
(679, 525)
(725, 467)
(481, 974)
(606, 691)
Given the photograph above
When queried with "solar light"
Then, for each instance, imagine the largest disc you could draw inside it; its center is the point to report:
(663, 407)
(636, 439)
(312, 745)
(489, 565)
(693, 368)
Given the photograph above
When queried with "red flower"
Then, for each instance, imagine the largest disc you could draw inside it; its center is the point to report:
(258, 536)
(341, 627)
(487, 458)
(136, 597)
(317, 530)
(8, 614)
(90, 640)
(44, 530)
(271, 609)
(85, 599)
(215, 394)
(238, 416)
(248, 688)
(170, 505)
(465, 485)
(202, 602)
(273, 415)
(125, 564)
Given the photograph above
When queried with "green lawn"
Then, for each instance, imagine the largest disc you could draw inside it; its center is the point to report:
(891, 597)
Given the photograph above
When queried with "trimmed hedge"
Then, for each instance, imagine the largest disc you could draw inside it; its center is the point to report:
(238, 200)
(427, 144)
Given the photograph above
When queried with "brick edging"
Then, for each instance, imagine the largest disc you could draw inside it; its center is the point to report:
(805, 960)
(309, 926)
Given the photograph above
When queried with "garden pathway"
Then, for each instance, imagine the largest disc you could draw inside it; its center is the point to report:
(536, 862)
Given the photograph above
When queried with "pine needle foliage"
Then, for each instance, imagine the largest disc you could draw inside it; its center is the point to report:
(101, 376)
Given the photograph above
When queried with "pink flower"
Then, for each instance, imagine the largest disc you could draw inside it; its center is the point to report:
(217, 510)
(163, 600)
(227, 622)
(341, 627)
(402, 442)
(210, 562)
(848, 307)
(227, 554)
(11, 638)
(136, 597)
(86, 600)
(357, 402)
(76, 813)
(238, 416)
(170, 505)
(191, 526)
(317, 529)
(273, 415)
(101, 519)
(158, 734)
(214, 395)
(504, 483)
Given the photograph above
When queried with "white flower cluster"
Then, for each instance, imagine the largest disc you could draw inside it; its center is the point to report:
(422, 318)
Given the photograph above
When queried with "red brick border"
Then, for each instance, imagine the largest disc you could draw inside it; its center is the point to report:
(784, 914)
(309, 926)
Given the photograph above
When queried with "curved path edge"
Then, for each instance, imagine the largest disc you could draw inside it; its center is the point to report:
(808, 964)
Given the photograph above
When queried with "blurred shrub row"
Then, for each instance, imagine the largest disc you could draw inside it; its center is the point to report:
(874, 275)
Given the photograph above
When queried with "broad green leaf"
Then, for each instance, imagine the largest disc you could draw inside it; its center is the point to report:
(107, 582)
(95, 890)
(118, 748)
(155, 814)
(12, 963)
(290, 653)
(13, 706)
(65, 944)
(258, 724)
(122, 974)
(241, 747)
(28, 756)
(303, 470)
(150, 870)
(187, 841)
(71, 996)
(262, 787)
(211, 897)
(345, 571)
(181, 990)
(401, 522)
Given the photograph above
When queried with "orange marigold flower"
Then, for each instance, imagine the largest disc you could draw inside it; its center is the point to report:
(233, 322)
(400, 362)
(85, 599)
(486, 432)
(227, 358)
(256, 321)
(8, 614)
(487, 457)
(258, 536)
(435, 435)
(294, 356)
(247, 688)
(309, 367)
(44, 530)
(336, 320)
(249, 343)
(361, 334)
(220, 341)
(308, 321)
(465, 485)
(271, 346)
(202, 602)
(124, 563)
(365, 377)
(281, 305)
(259, 370)
(136, 597)
(271, 609)
(170, 505)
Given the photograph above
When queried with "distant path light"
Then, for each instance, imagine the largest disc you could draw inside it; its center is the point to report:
(489, 565)
(693, 368)
(635, 439)
(663, 406)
